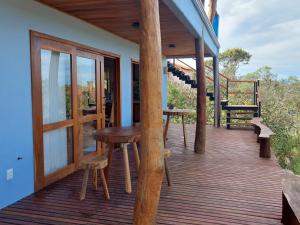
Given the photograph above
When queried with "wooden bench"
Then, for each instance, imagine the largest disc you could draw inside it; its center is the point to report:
(94, 163)
(264, 134)
(291, 199)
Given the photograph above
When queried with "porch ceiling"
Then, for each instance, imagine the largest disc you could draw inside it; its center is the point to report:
(118, 16)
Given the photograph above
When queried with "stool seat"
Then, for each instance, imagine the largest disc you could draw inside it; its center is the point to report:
(98, 162)
(94, 163)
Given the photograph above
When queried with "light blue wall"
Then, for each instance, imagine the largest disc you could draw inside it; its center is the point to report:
(216, 24)
(16, 140)
(164, 84)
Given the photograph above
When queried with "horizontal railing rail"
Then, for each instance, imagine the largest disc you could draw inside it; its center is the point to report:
(228, 80)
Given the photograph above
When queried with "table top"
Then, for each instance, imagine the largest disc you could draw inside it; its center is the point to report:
(116, 135)
(178, 112)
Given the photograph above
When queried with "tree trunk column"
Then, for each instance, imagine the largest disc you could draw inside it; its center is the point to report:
(151, 166)
(201, 98)
(217, 102)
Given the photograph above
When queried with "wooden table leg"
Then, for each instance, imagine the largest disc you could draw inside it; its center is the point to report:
(166, 129)
(183, 128)
(104, 184)
(84, 183)
(126, 169)
(109, 160)
(136, 156)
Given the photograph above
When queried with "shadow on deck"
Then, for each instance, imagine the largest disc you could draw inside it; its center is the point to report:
(229, 184)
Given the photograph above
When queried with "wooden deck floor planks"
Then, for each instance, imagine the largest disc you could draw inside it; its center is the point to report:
(229, 184)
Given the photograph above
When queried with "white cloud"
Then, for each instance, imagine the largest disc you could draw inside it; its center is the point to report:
(268, 29)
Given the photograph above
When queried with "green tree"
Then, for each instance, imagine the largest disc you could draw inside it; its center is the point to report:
(231, 59)
(280, 111)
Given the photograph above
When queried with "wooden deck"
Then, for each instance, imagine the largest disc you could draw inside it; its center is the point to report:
(229, 184)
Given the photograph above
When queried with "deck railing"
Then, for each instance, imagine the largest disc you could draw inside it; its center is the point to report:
(226, 83)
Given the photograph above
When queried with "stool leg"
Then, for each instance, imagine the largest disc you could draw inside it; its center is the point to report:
(136, 156)
(104, 184)
(95, 179)
(84, 183)
(126, 169)
(167, 172)
(109, 156)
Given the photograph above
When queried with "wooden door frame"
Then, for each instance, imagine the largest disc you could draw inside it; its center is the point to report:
(82, 119)
(118, 88)
(71, 48)
(133, 61)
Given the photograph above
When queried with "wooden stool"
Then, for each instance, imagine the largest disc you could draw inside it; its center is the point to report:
(167, 154)
(94, 163)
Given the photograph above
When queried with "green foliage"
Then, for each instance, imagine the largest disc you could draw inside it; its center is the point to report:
(183, 97)
(280, 103)
(280, 111)
(231, 59)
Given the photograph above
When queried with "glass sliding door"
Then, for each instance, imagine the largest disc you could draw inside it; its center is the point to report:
(87, 101)
(67, 93)
(56, 103)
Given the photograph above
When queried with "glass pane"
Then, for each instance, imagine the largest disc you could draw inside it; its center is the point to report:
(86, 79)
(87, 137)
(56, 86)
(58, 149)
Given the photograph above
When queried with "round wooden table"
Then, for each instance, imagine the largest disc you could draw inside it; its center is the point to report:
(176, 112)
(122, 136)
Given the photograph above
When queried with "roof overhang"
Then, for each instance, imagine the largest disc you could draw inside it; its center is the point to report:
(121, 17)
(193, 16)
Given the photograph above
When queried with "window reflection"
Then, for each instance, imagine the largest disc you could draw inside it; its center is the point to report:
(87, 132)
(86, 81)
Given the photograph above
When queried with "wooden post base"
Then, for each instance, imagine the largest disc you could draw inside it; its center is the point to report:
(265, 148)
(167, 154)
(288, 216)
(228, 119)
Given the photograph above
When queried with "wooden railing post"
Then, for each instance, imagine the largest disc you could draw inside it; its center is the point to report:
(212, 10)
(201, 98)
(151, 165)
(217, 102)
(227, 89)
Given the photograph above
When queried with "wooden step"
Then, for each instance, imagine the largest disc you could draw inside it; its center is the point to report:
(240, 118)
(241, 113)
(241, 107)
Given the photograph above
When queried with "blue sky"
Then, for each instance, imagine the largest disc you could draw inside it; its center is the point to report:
(268, 29)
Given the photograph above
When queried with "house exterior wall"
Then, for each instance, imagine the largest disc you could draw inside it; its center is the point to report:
(165, 84)
(17, 18)
(216, 24)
